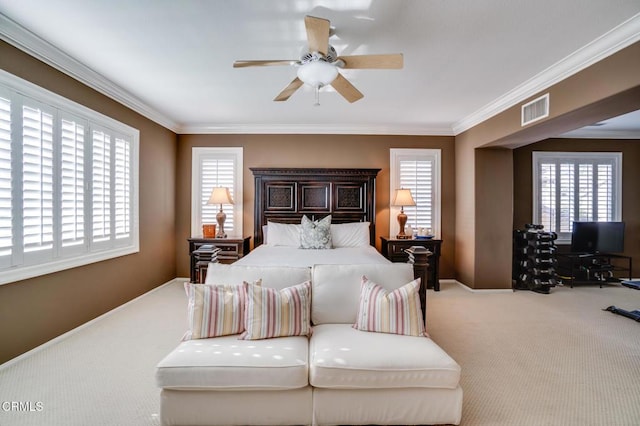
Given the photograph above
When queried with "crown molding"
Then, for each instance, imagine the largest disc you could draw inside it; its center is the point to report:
(618, 38)
(28, 42)
(314, 129)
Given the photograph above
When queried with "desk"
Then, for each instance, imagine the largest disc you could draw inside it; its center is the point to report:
(594, 267)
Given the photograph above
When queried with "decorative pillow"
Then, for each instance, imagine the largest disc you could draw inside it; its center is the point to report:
(315, 235)
(355, 234)
(283, 234)
(396, 312)
(277, 313)
(215, 310)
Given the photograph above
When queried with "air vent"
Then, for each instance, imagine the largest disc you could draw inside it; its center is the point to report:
(535, 110)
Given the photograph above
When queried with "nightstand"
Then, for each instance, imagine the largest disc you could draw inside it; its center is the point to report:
(394, 250)
(229, 250)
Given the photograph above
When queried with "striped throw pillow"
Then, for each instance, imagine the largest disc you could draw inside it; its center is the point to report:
(396, 312)
(215, 310)
(277, 313)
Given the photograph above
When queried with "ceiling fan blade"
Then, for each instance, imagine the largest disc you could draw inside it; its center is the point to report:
(346, 89)
(391, 61)
(289, 90)
(243, 64)
(317, 34)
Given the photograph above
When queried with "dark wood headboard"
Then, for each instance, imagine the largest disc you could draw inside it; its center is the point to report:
(286, 194)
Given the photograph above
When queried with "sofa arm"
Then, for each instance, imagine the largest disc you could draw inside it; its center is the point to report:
(419, 258)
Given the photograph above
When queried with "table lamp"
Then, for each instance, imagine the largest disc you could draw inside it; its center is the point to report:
(220, 196)
(403, 198)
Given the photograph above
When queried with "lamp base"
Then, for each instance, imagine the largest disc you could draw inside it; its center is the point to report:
(221, 217)
(402, 220)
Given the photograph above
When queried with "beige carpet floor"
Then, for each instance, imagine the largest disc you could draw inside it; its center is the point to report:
(527, 359)
(533, 359)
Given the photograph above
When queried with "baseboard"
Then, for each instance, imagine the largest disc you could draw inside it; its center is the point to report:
(481, 290)
(71, 332)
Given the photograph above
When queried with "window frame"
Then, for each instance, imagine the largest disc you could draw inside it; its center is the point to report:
(430, 154)
(198, 154)
(17, 266)
(576, 157)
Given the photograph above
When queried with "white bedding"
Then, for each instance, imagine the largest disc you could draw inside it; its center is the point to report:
(266, 255)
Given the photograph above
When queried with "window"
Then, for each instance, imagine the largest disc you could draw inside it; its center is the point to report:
(419, 171)
(576, 186)
(216, 167)
(68, 183)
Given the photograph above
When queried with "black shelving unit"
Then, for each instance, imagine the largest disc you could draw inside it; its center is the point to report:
(595, 268)
(534, 259)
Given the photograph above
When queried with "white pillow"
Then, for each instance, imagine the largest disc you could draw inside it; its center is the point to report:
(283, 234)
(354, 234)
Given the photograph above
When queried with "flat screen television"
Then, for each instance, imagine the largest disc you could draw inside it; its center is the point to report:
(597, 237)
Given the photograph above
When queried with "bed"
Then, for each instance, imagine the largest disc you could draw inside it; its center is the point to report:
(285, 197)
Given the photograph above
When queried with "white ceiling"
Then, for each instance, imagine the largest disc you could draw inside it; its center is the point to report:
(464, 61)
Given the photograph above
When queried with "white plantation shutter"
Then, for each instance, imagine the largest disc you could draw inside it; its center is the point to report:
(604, 207)
(211, 168)
(68, 183)
(122, 188)
(585, 193)
(565, 197)
(6, 233)
(37, 179)
(576, 186)
(72, 194)
(417, 176)
(547, 195)
(101, 186)
(419, 171)
(217, 173)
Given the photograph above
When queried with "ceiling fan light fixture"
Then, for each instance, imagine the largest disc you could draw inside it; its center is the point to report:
(319, 64)
(317, 73)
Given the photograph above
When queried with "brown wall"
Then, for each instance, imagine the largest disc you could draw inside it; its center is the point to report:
(609, 88)
(523, 185)
(316, 151)
(493, 173)
(39, 309)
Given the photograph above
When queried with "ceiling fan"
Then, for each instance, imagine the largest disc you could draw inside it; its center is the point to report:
(319, 67)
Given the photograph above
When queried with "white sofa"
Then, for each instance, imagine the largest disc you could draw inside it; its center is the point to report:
(339, 375)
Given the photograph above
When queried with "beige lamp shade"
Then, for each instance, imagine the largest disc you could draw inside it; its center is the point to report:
(220, 195)
(403, 198)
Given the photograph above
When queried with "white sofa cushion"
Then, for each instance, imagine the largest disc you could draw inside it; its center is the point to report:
(277, 277)
(226, 363)
(336, 288)
(342, 357)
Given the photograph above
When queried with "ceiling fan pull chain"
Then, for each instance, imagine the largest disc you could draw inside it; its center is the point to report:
(317, 96)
